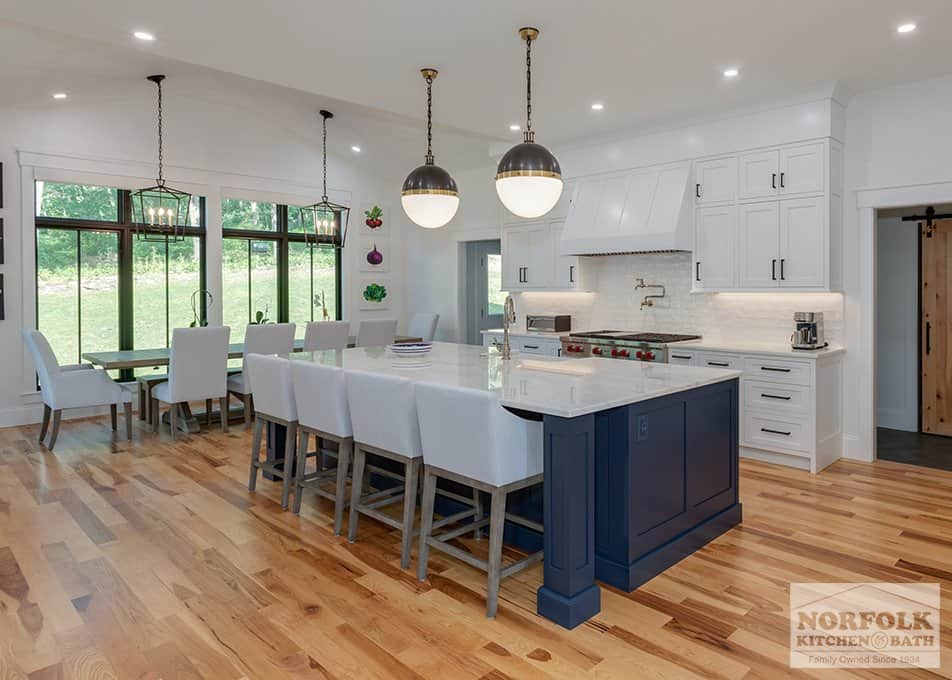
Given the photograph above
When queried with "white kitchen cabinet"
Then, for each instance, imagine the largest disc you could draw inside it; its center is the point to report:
(759, 172)
(549, 345)
(715, 180)
(802, 169)
(570, 272)
(527, 254)
(759, 240)
(803, 243)
(715, 248)
(791, 406)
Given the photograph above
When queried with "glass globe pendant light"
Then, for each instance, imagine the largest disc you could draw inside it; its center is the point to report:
(429, 197)
(529, 179)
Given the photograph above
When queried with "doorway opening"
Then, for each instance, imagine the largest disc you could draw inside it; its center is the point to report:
(483, 286)
(914, 350)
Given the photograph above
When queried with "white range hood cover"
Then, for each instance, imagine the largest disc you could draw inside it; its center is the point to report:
(637, 211)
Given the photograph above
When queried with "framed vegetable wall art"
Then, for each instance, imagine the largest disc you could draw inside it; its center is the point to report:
(374, 255)
(375, 293)
(374, 221)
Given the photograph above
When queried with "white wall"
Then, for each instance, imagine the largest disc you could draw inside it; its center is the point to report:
(897, 321)
(222, 139)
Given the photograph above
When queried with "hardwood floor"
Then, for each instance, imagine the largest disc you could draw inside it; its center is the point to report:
(150, 559)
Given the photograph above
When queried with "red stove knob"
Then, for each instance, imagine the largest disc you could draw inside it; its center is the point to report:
(614, 352)
(596, 350)
(639, 354)
(623, 353)
(649, 356)
(569, 348)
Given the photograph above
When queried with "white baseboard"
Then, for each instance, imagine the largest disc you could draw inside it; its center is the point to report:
(776, 457)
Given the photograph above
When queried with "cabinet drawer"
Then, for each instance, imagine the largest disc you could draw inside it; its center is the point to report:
(784, 400)
(778, 370)
(775, 433)
(677, 356)
(532, 346)
(715, 360)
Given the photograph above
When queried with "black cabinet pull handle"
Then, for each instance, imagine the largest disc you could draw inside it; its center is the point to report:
(718, 363)
(697, 190)
(571, 273)
(527, 275)
(782, 185)
(767, 429)
(774, 396)
(773, 180)
(530, 347)
(783, 261)
(775, 370)
(697, 270)
(928, 338)
(773, 269)
(679, 356)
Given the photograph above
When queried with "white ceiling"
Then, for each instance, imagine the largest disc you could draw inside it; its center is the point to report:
(649, 61)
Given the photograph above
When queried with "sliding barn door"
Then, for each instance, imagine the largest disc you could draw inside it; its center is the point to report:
(936, 349)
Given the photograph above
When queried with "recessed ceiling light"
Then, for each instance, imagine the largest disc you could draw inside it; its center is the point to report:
(905, 28)
(144, 35)
(355, 148)
(515, 127)
(731, 73)
(59, 95)
(597, 106)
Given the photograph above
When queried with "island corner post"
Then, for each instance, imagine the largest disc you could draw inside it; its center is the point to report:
(632, 490)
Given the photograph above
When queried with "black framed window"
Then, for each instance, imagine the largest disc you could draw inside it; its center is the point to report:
(100, 288)
(268, 268)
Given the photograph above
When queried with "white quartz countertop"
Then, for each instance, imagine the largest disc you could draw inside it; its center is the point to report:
(553, 386)
(522, 332)
(769, 349)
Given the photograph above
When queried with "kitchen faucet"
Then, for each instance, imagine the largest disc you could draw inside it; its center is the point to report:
(648, 300)
(508, 317)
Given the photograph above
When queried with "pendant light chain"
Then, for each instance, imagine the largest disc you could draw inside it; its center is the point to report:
(324, 147)
(429, 120)
(161, 181)
(530, 135)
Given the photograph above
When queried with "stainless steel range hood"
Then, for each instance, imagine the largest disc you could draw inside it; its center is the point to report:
(648, 210)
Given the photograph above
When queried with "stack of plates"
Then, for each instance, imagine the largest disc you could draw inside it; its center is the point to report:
(411, 348)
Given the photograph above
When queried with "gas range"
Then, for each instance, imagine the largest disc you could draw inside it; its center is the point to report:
(629, 345)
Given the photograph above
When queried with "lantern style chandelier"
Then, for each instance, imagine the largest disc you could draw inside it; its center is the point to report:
(160, 212)
(529, 179)
(327, 220)
(430, 197)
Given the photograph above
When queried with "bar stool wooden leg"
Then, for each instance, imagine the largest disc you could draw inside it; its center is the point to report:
(246, 401)
(128, 409)
(411, 477)
(46, 422)
(478, 512)
(112, 417)
(223, 409)
(143, 400)
(290, 445)
(299, 473)
(497, 522)
(208, 412)
(173, 424)
(356, 482)
(255, 452)
(343, 462)
(426, 520)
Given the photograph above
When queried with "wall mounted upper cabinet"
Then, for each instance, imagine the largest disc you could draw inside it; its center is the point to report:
(789, 221)
(715, 180)
(715, 250)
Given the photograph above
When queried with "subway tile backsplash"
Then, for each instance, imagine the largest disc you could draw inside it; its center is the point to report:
(719, 317)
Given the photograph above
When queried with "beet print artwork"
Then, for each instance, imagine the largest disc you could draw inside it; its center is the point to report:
(375, 257)
(373, 217)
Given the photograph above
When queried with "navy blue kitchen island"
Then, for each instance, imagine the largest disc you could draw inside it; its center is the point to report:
(640, 460)
(631, 490)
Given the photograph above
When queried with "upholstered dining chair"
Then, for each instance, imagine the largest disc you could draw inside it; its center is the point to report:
(423, 326)
(320, 335)
(376, 332)
(268, 338)
(198, 370)
(274, 404)
(72, 386)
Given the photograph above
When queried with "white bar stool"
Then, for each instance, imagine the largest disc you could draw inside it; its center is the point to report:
(321, 335)
(470, 439)
(274, 403)
(321, 395)
(268, 338)
(383, 413)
